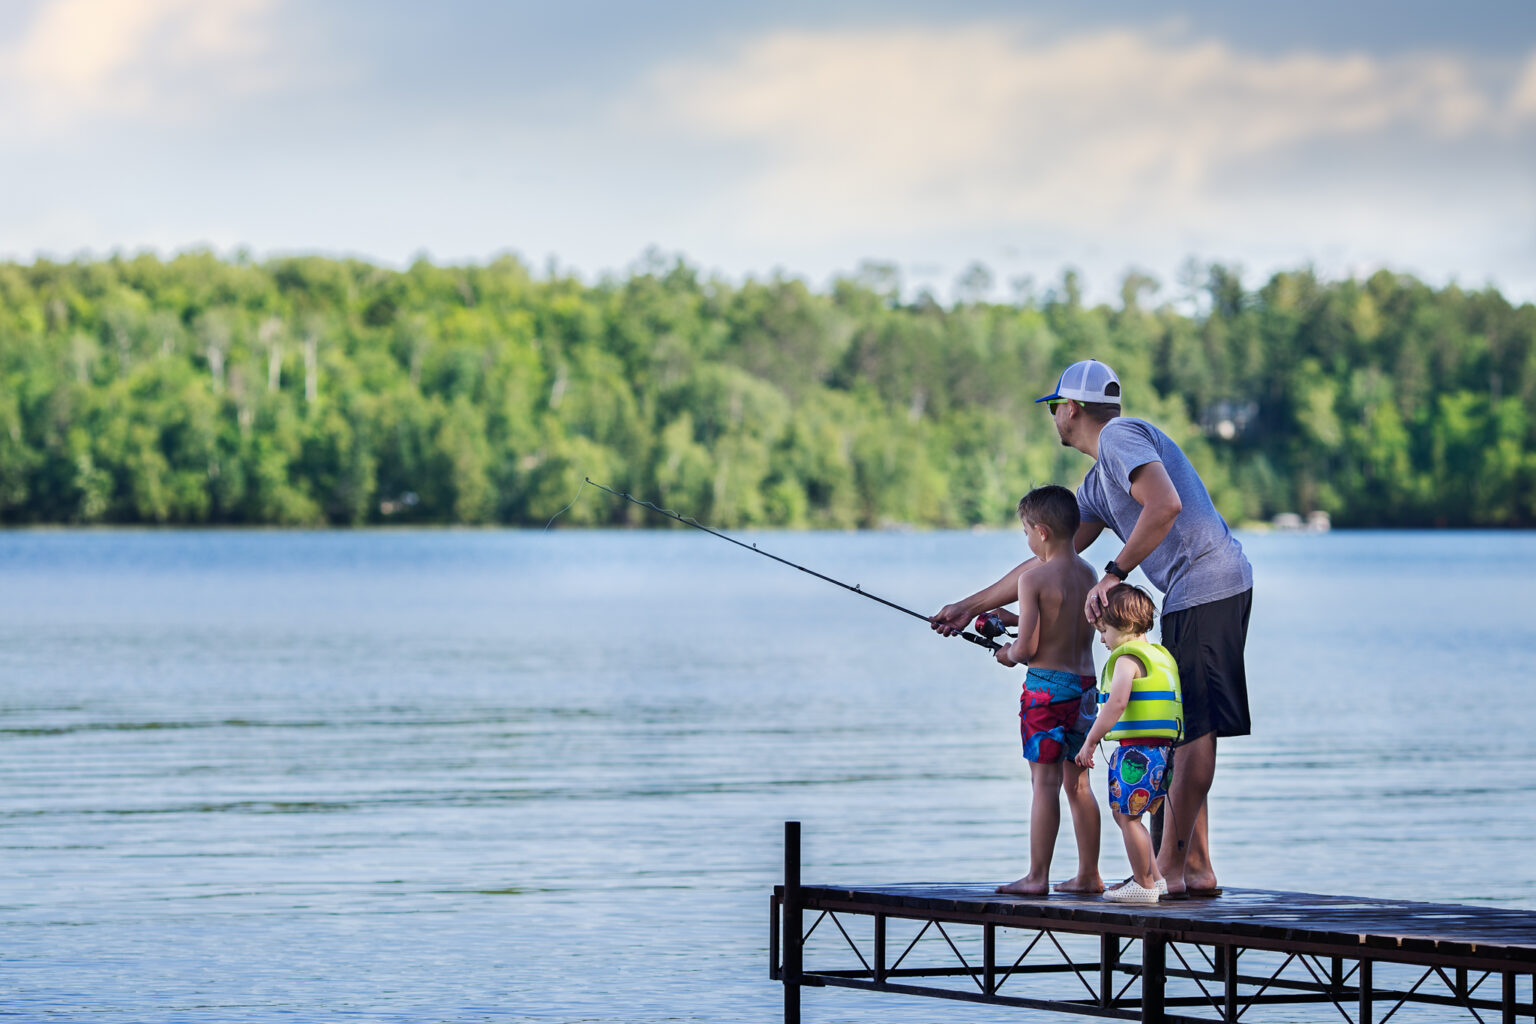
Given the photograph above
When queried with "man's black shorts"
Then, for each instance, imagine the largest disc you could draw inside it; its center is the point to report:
(1207, 641)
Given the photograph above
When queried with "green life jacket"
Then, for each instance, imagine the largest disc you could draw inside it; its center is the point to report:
(1156, 708)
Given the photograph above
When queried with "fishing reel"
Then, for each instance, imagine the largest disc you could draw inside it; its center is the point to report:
(989, 625)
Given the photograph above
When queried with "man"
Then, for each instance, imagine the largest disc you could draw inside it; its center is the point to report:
(1143, 488)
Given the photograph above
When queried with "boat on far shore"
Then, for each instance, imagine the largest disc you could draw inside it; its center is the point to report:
(1317, 521)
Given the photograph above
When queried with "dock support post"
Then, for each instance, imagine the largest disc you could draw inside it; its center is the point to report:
(1229, 985)
(989, 955)
(775, 929)
(1508, 1002)
(1109, 957)
(793, 923)
(1153, 973)
(1364, 1016)
(880, 949)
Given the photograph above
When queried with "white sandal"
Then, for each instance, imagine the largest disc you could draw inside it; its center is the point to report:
(1131, 892)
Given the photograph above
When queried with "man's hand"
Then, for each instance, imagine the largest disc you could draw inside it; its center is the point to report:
(951, 619)
(1098, 596)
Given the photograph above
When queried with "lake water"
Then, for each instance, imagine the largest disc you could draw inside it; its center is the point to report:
(509, 776)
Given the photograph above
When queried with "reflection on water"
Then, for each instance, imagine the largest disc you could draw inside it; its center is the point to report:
(507, 776)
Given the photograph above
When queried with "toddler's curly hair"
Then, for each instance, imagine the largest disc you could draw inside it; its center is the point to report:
(1129, 609)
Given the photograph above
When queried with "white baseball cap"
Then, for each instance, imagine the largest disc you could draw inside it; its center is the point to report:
(1086, 381)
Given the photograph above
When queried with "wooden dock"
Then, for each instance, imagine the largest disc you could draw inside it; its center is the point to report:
(1198, 960)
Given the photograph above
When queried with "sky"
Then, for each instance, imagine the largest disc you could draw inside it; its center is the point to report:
(799, 138)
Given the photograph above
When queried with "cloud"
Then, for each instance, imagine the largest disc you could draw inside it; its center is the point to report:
(1523, 100)
(1117, 130)
(157, 60)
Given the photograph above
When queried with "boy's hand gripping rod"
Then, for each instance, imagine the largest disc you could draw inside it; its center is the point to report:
(980, 641)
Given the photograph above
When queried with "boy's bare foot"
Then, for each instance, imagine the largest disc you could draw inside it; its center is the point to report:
(1026, 886)
(1081, 883)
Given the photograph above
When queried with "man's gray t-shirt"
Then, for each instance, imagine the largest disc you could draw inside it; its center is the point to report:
(1199, 561)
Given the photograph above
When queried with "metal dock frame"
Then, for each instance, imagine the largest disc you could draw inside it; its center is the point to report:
(1330, 965)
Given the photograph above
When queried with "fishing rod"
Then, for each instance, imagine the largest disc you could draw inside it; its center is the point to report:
(980, 641)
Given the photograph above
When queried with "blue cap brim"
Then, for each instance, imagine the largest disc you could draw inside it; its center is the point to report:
(1057, 392)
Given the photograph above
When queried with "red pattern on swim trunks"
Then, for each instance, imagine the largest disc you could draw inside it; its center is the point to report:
(1047, 727)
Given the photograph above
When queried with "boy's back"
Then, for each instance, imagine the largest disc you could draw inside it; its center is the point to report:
(1059, 692)
(1060, 589)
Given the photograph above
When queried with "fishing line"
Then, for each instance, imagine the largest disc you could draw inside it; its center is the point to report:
(853, 587)
(557, 515)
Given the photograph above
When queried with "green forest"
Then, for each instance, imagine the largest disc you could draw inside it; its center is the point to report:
(310, 391)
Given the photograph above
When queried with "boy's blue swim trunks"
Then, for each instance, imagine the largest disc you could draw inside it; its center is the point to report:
(1051, 714)
(1138, 778)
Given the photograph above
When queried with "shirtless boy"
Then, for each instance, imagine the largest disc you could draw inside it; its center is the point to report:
(1060, 690)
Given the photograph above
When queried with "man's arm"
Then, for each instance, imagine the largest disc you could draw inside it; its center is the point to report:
(952, 618)
(1160, 506)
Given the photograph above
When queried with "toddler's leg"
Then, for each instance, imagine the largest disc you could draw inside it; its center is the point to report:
(1085, 826)
(1138, 849)
(1044, 821)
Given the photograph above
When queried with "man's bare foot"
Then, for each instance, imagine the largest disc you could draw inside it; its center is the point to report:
(1199, 884)
(1026, 886)
(1081, 883)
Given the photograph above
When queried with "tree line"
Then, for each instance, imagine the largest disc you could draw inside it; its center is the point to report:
(315, 391)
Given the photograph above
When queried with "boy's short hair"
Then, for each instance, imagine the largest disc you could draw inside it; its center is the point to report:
(1052, 506)
(1129, 609)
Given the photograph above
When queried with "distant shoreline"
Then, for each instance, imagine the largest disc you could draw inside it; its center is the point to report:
(309, 392)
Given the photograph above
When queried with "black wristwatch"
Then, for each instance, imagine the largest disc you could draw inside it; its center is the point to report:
(1114, 569)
